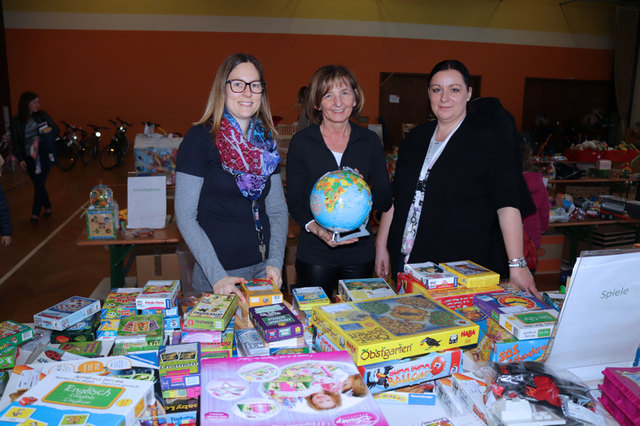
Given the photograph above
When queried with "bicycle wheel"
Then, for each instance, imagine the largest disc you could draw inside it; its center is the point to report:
(67, 155)
(110, 156)
(88, 151)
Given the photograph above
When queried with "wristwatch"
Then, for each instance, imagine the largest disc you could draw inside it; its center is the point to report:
(520, 262)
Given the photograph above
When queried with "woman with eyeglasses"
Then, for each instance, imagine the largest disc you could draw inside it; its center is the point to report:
(229, 203)
(332, 142)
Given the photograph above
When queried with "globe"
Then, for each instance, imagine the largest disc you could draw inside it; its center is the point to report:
(341, 201)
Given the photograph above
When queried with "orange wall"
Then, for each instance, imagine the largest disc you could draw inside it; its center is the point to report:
(87, 76)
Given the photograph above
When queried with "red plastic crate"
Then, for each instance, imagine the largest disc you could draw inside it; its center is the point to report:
(583, 156)
(621, 394)
(620, 156)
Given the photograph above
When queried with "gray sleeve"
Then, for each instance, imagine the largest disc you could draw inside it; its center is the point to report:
(278, 220)
(186, 207)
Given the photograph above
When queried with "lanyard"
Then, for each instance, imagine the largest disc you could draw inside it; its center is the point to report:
(262, 247)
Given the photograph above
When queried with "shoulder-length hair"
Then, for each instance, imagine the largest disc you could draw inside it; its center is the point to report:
(23, 105)
(322, 82)
(215, 105)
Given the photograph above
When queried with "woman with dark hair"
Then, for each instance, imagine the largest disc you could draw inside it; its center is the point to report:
(330, 143)
(230, 204)
(31, 129)
(457, 190)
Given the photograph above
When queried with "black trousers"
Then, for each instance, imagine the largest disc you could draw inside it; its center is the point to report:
(327, 277)
(40, 196)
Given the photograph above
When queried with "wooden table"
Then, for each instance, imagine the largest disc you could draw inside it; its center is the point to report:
(584, 229)
(123, 246)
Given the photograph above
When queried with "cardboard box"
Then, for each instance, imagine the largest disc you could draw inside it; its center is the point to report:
(261, 292)
(472, 275)
(156, 154)
(157, 262)
(67, 313)
(431, 275)
(158, 294)
(550, 254)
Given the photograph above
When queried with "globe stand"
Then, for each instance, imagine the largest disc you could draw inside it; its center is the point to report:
(338, 237)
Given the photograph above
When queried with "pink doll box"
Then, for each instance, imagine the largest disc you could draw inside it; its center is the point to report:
(621, 394)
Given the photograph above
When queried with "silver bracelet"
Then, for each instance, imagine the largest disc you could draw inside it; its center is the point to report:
(520, 262)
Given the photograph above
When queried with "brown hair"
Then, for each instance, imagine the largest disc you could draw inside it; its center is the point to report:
(358, 387)
(322, 82)
(217, 96)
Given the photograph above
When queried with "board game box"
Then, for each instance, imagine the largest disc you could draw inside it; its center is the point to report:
(459, 297)
(8, 357)
(212, 311)
(393, 328)
(305, 298)
(295, 389)
(431, 275)
(419, 394)
(388, 375)
(621, 394)
(120, 302)
(60, 397)
(13, 334)
(498, 345)
(506, 302)
(260, 292)
(364, 289)
(67, 313)
(89, 349)
(530, 324)
(141, 329)
(471, 274)
(158, 294)
(179, 366)
(275, 322)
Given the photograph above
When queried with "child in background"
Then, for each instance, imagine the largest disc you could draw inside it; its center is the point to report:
(5, 220)
(536, 223)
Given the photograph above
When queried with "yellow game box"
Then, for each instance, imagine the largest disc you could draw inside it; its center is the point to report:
(472, 275)
(393, 328)
(261, 292)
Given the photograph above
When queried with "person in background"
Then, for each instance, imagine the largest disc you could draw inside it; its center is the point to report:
(330, 143)
(230, 205)
(456, 190)
(303, 120)
(5, 220)
(536, 223)
(32, 134)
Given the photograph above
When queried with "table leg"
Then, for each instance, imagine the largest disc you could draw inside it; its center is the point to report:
(118, 254)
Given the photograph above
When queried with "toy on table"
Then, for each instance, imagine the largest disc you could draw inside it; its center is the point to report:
(102, 214)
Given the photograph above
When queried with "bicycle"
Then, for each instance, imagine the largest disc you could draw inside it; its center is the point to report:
(91, 143)
(113, 154)
(69, 147)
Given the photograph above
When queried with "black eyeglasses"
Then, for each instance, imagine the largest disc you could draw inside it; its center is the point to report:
(238, 86)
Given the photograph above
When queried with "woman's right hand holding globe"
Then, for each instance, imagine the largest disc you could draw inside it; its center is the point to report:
(327, 236)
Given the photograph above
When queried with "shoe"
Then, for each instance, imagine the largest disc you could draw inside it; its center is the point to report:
(34, 219)
(47, 213)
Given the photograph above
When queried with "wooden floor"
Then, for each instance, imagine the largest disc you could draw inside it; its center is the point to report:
(44, 265)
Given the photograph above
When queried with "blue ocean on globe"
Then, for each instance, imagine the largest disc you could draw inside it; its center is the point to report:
(341, 201)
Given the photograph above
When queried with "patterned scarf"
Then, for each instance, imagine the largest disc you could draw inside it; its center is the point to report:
(251, 162)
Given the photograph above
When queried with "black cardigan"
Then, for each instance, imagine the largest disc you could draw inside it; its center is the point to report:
(308, 159)
(475, 175)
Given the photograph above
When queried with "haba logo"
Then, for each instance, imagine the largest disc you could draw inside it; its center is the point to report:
(468, 333)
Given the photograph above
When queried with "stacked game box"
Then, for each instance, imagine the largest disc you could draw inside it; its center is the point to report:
(521, 314)
(251, 343)
(275, 322)
(120, 302)
(67, 313)
(389, 375)
(393, 328)
(419, 394)
(13, 334)
(260, 292)
(158, 294)
(139, 332)
(459, 297)
(212, 311)
(83, 331)
(179, 371)
(305, 298)
(314, 388)
(431, 275)
(63, 398)
(364, 289)
(498, 345)
(213, 343)
(621, 394)
(471, 274)
(142, 366)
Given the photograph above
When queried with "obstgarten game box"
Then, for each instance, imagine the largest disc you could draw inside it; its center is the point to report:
(393, 328)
